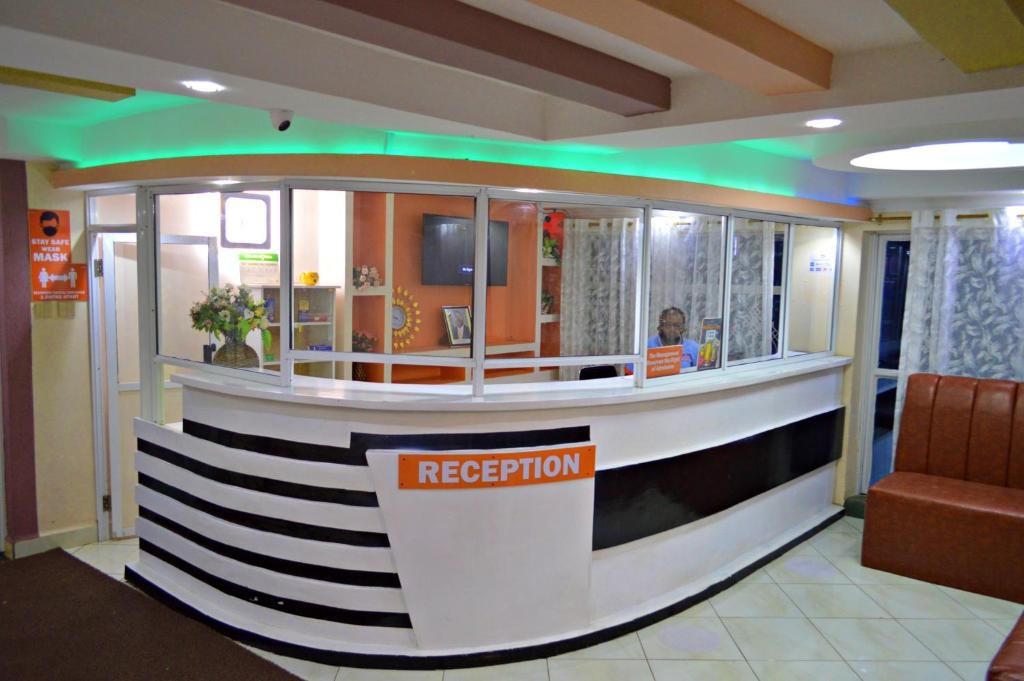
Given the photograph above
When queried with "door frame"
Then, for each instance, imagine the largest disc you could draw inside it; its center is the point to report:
(105, 374)
(868, 341)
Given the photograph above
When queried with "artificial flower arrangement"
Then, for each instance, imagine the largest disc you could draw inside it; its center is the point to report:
(362, 342)
(230, 315)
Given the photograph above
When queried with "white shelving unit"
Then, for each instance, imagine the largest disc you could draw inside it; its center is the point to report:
(318, 329)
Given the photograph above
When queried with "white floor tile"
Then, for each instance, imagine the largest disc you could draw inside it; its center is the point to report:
(696, 638)
(777, 670)
(304, 669)
(833, 600)
(851, 567)
(865, 639)
(903, 671)
(600, 670)
(1002, 626)
(531, 670)
(912, 601)
(108, 558)
(702, 670)
(985, 607)
(757, 577)
(957, 640)
(702, 609)
(348, 674)
(766, 638)
(623, 648)
(754, 600)
(805, 569)
(838, 542)
(855, 523)
(970, 671)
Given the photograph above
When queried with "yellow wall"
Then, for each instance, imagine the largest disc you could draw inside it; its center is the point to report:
(856, 255)
(61, 386)
(810, 293)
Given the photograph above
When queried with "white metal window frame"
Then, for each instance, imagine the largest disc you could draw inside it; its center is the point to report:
(871, 373)
(477, 362)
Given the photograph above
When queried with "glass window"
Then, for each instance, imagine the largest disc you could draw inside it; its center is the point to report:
(811, 289)
(894, 298)
(216, 305)
(562, 283)
(756, 288)
(687, 274)
(112, 209)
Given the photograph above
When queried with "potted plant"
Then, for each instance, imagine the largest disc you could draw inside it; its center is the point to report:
(231, 315)
(361, 342)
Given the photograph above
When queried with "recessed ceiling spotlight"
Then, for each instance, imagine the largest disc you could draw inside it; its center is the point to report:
(946, 156)
(822, 123)
(205, 86)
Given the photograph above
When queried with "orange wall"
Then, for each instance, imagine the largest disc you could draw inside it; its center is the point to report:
(512, 309)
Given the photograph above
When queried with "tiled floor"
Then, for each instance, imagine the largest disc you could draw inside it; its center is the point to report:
(814, 614)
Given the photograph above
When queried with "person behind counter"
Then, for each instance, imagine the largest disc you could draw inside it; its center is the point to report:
(671, 325)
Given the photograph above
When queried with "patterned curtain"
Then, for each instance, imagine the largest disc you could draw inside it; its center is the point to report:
(600, 259)
(686, 270)
(965, 297)
(750, 299)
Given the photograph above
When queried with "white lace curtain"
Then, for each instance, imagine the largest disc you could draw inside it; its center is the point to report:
(686, 270)
(965, 296)
(750, 298)
(599, 270)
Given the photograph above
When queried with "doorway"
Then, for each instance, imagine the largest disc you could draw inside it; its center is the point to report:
(891, 265)
(114, 316)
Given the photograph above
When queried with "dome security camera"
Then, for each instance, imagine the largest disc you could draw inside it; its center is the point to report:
(281, 119)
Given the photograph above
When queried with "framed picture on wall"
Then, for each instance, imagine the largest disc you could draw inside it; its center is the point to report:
(458, 323)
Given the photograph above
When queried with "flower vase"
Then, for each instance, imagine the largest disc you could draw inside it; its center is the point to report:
(236, 355)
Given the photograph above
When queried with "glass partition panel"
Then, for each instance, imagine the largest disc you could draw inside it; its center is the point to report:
(687, 276)
(562, 283)
(216, 297)
(112, 209)
(319, 220)
(811, 289)
(756, 289)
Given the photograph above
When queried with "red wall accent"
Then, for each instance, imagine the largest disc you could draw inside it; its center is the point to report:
(16, 355)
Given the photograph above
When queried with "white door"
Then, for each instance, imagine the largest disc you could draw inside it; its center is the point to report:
(117, 333)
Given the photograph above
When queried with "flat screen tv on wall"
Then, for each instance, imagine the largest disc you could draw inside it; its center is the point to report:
(448, 251)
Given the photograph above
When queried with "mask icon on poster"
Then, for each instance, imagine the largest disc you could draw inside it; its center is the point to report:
(49, 223)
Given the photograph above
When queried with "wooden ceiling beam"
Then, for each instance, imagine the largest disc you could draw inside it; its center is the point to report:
(976, 36)
(723, 38)
(464, 37)
(50, 82)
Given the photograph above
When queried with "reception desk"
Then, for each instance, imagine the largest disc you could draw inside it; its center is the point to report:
(424, 529)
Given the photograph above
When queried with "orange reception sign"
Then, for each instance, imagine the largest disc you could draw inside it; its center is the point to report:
(664, 361)
(54, 276)
(463, 471)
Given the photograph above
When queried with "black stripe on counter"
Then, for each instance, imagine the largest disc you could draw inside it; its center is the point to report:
(637, 501)
(289, 528)
(256, 483)
(272, 446)
(361, 442)
(330, 613)
(336, 658)
(282, 565)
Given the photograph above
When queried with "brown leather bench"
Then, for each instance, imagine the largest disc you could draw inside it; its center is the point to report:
(953, 511)
(1008, 664)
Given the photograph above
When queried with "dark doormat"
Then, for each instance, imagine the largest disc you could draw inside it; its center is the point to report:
(61, 620)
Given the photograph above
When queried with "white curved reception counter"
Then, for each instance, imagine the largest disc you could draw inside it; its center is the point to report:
(421, 530)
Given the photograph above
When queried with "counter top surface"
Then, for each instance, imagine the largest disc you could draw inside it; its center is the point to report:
(514, 397)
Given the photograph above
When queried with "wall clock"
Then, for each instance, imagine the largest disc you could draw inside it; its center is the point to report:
(405, 318)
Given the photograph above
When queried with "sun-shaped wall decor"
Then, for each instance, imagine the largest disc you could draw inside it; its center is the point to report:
(405, 318)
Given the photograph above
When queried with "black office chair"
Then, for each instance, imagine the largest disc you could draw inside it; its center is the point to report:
(598, 371)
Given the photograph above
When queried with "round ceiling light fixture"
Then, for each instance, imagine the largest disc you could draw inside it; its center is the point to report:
(946, 156)
(823, 123)
(204, 86)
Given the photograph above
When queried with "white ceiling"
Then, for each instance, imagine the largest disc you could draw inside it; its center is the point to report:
(889, 86)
